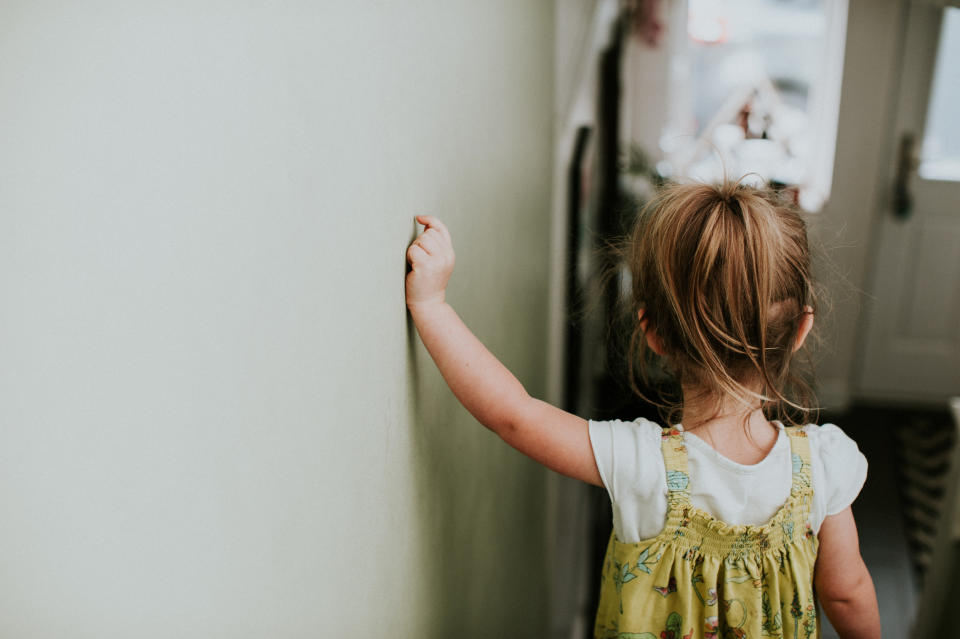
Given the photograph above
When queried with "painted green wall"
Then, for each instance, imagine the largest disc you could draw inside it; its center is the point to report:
(215, 417)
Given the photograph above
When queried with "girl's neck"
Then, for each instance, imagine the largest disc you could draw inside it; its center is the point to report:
(739, 432)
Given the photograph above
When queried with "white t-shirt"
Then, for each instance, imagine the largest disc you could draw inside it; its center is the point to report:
(631, 465)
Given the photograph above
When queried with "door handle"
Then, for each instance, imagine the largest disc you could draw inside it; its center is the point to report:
(906, 165)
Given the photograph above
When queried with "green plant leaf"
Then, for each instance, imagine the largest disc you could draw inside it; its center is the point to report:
(674, 623)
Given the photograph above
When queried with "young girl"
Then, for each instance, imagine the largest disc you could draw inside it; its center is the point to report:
(726, 524)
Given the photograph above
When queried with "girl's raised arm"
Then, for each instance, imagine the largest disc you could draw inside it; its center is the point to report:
(553, 437)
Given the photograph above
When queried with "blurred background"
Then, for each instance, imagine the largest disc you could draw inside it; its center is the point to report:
(216, 418)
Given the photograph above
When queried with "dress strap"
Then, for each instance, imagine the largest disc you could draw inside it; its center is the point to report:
(675, 461)
(800, 459)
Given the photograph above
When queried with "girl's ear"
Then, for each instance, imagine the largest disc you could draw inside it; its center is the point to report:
(649, 334)
(806, 323)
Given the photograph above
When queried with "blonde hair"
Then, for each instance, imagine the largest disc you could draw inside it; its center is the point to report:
(723, 276)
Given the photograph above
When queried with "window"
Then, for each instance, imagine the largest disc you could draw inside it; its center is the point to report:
(758, 91)
(940, 156)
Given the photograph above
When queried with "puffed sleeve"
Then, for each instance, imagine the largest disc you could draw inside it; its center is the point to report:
(843, 468)
(628, 457)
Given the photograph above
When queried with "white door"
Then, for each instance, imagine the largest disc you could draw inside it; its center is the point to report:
(911, 348)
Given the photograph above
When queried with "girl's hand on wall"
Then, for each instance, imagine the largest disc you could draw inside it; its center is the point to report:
(484, 386)
(431, 260)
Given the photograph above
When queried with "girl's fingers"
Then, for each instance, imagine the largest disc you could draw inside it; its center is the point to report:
(432, 241)
(416, 254)
(429, 247)
(431, 222)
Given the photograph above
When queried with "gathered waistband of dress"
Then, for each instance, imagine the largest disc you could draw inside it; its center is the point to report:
(692, 529)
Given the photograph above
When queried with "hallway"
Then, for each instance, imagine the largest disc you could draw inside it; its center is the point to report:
(879, 510)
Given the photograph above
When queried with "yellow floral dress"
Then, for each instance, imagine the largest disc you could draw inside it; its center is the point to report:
(701, 578)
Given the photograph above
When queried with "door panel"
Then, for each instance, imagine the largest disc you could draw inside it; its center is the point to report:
(911, 346)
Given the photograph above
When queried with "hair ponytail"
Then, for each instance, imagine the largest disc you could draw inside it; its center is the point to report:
(723, 274)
